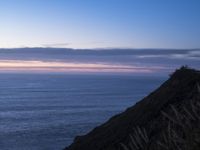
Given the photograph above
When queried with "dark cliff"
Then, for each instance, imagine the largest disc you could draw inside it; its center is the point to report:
(179, 90)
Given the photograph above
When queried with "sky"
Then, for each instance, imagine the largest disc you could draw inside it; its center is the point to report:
(97, 61)
(99, 36)
(100, 23)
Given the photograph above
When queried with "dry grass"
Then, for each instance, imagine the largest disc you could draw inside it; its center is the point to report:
(182, 131)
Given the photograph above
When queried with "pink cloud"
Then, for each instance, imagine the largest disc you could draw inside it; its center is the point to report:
(50, 66)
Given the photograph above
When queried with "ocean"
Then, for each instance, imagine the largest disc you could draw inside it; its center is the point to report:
(46, 111)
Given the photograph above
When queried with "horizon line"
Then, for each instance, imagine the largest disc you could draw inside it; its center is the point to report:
(98, 48)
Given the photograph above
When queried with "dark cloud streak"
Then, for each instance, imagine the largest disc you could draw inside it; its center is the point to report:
(169, 59)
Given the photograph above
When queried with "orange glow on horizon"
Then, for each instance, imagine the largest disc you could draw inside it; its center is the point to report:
(50, 66)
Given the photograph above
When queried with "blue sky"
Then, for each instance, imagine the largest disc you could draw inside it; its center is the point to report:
(100, 23)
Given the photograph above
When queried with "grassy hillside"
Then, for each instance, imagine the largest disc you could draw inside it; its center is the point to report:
(166, 119)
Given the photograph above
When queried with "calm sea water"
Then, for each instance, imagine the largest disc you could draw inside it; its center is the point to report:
(45, 112)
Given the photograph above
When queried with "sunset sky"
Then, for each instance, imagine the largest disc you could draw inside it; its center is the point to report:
(117, 61)
(105, 36)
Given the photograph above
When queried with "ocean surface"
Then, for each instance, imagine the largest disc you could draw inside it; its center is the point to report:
(46, 111)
